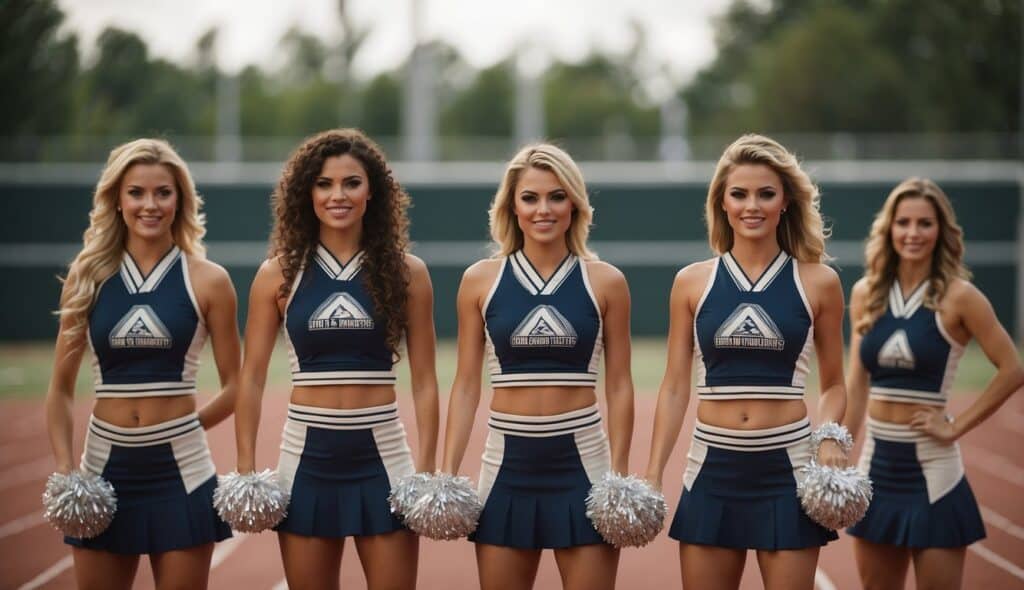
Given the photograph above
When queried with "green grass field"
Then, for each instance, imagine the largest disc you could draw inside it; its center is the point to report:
(25, 369)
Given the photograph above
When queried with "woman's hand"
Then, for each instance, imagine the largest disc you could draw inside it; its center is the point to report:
(933, 423)
(830, 454)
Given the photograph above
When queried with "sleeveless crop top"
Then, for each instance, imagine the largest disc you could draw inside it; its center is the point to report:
(753, 339)
(908, 353)
(331, 327)
(541, 332)
(146, 331)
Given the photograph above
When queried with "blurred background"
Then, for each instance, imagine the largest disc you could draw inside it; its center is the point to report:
(644, 94)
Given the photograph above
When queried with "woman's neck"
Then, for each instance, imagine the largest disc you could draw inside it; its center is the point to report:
(147, 252)
(546, 257)
(343, 244)
(911, 273)
(755, 256)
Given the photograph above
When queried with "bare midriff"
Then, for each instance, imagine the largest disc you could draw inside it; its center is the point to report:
(894, 412)
(135, 412)
(751, 414)
(542, 401)
(343, 397)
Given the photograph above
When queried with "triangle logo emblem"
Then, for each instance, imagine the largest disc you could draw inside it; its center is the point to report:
(749, 326)
(544, 326)
(140, 328)
(896, 352)
(340, 311)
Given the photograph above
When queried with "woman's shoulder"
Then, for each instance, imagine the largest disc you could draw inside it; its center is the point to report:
(204, 272)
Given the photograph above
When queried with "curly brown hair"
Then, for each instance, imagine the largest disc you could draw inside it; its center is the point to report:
(385, 236)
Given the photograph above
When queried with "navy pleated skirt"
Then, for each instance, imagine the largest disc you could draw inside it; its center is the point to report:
(740, 490)
(164, 480)
(921, 496)
(536, 474)
(340, 466)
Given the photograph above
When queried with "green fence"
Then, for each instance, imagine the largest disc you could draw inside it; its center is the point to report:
(648, 225)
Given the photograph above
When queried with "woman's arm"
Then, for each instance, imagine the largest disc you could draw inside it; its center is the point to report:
(674, 394)
(67, 357)
(618, 381)
(421, 343)
(264, 319)
(465, 395)
(980, 321)
(857, 380)
(219, 304)
(826, 294)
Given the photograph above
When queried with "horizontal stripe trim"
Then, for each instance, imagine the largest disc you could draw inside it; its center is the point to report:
(338, 381)
(134, 394)
(895, 432)
(717, 389)
(155, 385)
(572, 424)
(909, 399)
(546, 433)
(143, 439)
(907, 392)
(162, 433)
(544, 384)
(358, 374)
(798, 431)
(544, 424)
(343, 414)
(460, 254)
(132, 430)
(749, 448)
(332, 425)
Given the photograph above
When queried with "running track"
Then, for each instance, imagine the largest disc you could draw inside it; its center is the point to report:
(33, 556)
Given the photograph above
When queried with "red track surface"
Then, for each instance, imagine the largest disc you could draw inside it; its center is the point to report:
(31, 551)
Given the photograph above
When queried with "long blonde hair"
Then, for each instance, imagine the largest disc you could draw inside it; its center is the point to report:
(801, 232)
(505, 232)
(103, 242)
(881, 260)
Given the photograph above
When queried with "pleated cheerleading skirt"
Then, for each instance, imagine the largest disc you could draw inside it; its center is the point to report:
(164, 480)
(340, 466)
(921, 496)
(740, 490)
(535, 477)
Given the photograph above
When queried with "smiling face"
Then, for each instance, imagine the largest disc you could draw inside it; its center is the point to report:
(915, 229)
(148, 199)
(542, 206)
(753, 201)
(340, 193)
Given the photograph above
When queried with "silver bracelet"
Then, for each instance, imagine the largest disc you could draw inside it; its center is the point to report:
(833, 431)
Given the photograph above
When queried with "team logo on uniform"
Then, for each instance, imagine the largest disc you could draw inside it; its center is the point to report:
(749, 326)
(544, 326)
(896, 352)
(140, 328)
(340, 312)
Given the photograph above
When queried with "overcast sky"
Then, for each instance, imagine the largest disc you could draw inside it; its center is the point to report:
(680, 31)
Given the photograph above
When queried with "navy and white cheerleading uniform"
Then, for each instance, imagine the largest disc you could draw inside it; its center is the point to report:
(537, 470)
(146, 332)
(752, 340)
(339, 465)
(921, 495)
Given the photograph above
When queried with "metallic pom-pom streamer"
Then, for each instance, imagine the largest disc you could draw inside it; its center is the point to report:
(834, 498)
(447, 508)
(252, 502)
(834, 431)
(79, 504)
(626, 510)
(407, 490)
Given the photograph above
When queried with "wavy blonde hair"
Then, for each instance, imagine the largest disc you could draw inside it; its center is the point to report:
(881, 259)
(506, 233)
(103, 242)
(801, 232)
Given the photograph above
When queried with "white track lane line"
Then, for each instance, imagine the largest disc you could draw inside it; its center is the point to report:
(822, 581)
(50, 573)
(21, 524)
(225, 548)
(1001, 522)
(995, 465)
(997, 560)
(26, 472)
(282, 585)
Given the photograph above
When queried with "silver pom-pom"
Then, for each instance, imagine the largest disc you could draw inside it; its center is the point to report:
(407, 490)
(834, 498)
(79, 504)
(252, 502)
(834, 431)
(447, 508)
(626, 510)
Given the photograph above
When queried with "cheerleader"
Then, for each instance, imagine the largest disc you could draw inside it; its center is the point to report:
(543, 310)
(912, 314)
(345, 290)
(143, 298)
(747, 322)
